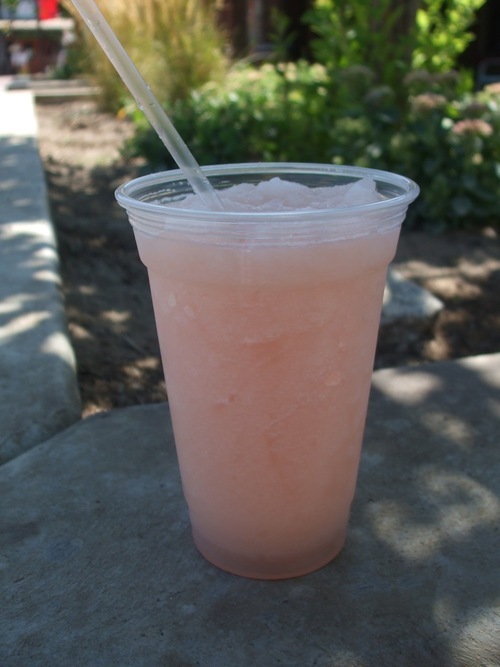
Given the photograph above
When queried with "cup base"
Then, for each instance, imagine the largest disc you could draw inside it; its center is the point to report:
(269, 567)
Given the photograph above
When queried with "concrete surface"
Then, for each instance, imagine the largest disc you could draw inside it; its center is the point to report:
(37, 366)
(47, 90)
(98, 568)
(408, 309)
(52, 90)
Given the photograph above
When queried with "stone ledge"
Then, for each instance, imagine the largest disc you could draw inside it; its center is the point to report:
(37, 365)
(408, 309)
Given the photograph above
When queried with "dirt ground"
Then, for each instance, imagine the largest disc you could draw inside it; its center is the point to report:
(106, 290)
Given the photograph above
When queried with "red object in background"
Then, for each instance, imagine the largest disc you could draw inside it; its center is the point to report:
(47, 9)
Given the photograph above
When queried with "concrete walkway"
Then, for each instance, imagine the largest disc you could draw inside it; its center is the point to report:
(37, 365)
(97, 567)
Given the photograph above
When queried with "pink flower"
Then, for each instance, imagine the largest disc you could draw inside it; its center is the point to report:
(417, 76)
(428, 101)
(473, 126)
(492, 89)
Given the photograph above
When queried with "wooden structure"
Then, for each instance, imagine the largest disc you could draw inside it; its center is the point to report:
(249, 24)
(31, 37)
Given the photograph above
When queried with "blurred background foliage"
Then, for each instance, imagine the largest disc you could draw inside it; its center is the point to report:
(176, 45)
(381, 88)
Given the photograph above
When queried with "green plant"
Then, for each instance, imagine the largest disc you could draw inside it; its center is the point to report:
(361, 32)
(443, 32)
(448, 141)
(260, 113)
(176, 45)
(393, 37)
(452, 149)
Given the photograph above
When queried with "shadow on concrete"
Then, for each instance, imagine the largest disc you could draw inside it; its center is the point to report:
(432, 451)
(416, 583)
(37, 366)
(106, 291)
(111, 560)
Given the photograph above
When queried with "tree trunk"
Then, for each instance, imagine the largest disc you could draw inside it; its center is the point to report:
(406, 23)
(295, 10)
(233, 15)
(409, 14)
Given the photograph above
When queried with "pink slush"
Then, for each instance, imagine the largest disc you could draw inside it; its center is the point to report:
(268, 351)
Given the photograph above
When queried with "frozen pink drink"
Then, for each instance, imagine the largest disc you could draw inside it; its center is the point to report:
(267, 315)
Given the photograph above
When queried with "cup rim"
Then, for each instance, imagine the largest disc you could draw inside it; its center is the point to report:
(128, 194)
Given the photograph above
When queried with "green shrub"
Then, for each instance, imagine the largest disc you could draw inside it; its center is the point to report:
(443, 32)
(425, 124)
(447, 141)
(361, 32)
(452, 149)
(391, 35)
(288, 111)
(257, 114)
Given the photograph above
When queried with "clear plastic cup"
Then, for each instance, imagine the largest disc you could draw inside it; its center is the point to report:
(267, 325)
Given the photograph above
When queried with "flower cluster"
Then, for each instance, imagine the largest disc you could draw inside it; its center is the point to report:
(473, 126)
(428, 102)
(492, 88)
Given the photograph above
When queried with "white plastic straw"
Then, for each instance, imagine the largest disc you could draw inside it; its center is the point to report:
(146, 101)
